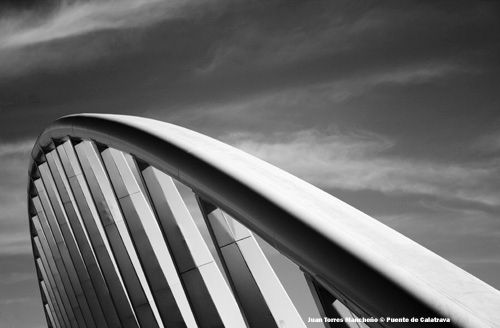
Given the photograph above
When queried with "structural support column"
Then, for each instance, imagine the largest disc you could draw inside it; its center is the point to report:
(259, 290)
(211, 298)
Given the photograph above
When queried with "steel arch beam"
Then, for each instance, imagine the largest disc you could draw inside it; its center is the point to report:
(367, 265)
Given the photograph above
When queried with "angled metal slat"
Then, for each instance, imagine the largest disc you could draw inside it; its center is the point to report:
(258, 286)
(51, 292)
(211, 298)
(52, 273)
(72, 212)
(116, 231)
(47, 237)
(97, 235)
(43, 249)
(150, 244)
(52, 312)
(48, 315)
(68, 247)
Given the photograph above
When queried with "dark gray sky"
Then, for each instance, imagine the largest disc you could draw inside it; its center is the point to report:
(392, 106)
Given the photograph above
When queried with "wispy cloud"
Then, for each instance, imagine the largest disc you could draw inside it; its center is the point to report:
(333, 36)
(46, 34)
(18, 147)
(363, 161)
(265, 46)
(15, 243)
(14, 237)
(320, 99)
(16, 300)
(81, 17)
(489, 143)
(16, 277)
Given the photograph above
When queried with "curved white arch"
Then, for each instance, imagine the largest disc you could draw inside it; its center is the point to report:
(371, 267)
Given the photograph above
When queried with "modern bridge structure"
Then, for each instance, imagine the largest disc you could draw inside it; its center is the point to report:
(141, 223)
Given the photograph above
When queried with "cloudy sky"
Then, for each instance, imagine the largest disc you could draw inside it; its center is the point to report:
(393, 107)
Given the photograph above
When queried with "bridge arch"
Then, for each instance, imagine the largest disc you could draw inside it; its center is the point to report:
(115, 246)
